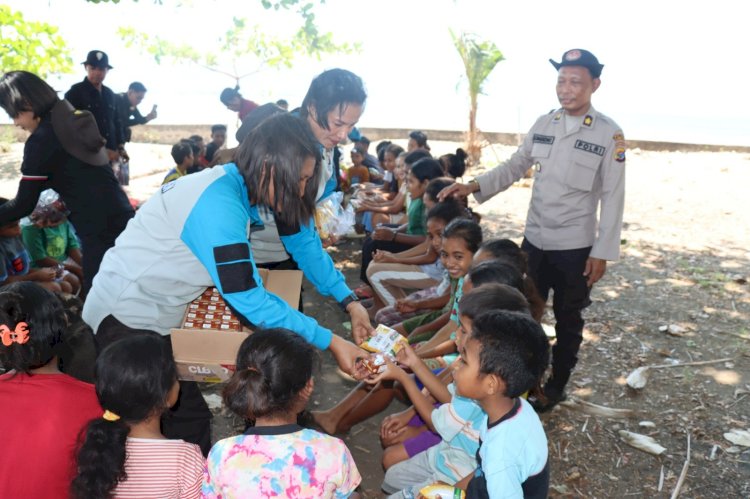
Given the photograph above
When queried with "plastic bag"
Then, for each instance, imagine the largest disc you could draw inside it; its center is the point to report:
(49, 210)
(332, 219)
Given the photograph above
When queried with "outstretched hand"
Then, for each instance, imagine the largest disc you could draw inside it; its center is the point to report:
(347, 354)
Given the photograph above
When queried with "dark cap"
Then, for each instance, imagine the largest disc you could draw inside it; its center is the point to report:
(98, 59)
(580, 57)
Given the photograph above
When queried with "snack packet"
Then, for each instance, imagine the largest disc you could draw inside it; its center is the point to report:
(385, 340)
(442, 491)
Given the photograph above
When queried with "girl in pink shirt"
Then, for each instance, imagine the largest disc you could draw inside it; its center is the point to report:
(276, 457)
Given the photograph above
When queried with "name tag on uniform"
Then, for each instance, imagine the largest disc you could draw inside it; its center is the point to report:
(543, 139)
(589, 147)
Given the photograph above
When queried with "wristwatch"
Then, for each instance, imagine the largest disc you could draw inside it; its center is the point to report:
(346, 301)
(474, 183)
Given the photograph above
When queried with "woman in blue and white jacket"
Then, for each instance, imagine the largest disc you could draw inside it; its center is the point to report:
(197, 232)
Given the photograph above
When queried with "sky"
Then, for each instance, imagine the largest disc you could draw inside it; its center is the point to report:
(673, 70)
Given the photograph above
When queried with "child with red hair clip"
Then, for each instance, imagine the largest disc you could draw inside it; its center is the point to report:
(44, 410)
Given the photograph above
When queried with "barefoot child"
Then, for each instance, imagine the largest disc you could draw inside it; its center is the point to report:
(276, 457)
(124, 453)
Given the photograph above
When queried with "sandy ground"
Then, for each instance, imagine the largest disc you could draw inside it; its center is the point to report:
(685, 262)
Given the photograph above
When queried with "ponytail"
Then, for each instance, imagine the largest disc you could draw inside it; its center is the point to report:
(247, 393)
(133, 378)
(273, 366)
(101, 460)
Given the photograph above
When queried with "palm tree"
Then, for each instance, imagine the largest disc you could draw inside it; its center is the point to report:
(479, 57)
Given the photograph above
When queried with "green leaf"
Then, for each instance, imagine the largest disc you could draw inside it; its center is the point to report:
(31, 46)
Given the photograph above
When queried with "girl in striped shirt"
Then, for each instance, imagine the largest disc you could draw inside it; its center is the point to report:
(125, 454)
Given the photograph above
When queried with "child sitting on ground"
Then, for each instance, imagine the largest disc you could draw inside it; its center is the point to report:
(52, 242)
(43, 410)
(461, 239)
(218, 137)
(276, 457)
(509, 251)
(15, 261)
(365, 401)
(358, 172)
(506, 355)
(457, 421)
(390, 207)
(454, 164)
(414, 231)
(391, 275)
(405, 434)
(124, 453)
(182, 154)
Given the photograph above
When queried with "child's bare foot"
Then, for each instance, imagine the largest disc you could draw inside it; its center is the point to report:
(324, 420)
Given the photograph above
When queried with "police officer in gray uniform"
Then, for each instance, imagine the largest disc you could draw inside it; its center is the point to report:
(579, 159)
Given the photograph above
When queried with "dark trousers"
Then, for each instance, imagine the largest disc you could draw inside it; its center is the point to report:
(190, 418)
(370, 245)
(93, 246)
(562, 272)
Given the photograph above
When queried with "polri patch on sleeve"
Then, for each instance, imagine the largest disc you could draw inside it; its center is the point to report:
(589, 147)
(620, 147)
(543, 139)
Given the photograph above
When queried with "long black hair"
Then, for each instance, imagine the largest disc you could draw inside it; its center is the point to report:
(273, 154)
(23, 91)
(331, 89)
(273, 366)
(133, 378)
(44, 318)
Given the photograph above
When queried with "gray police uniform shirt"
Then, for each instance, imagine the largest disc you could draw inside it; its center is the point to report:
(267, 245)
(577, 173)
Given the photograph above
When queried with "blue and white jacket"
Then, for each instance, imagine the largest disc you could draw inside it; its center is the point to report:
(195, 233)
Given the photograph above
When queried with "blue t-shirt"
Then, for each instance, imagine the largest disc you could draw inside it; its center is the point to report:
(512, 457)
(15, 257)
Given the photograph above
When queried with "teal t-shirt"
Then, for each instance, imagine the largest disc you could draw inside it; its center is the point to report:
(52, 242)
(416, 221)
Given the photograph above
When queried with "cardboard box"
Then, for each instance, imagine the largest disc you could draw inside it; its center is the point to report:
(207, 351)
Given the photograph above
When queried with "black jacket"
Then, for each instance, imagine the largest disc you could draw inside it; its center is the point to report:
(102, 105)
(128, 115)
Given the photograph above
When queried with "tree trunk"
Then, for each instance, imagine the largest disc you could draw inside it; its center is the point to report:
(473, 148)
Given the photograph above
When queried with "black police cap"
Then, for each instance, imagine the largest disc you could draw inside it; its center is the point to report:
(98, 59)
(580, 57)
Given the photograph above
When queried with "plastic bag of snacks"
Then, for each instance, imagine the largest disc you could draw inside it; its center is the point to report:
(332, 219)
(441, 490)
